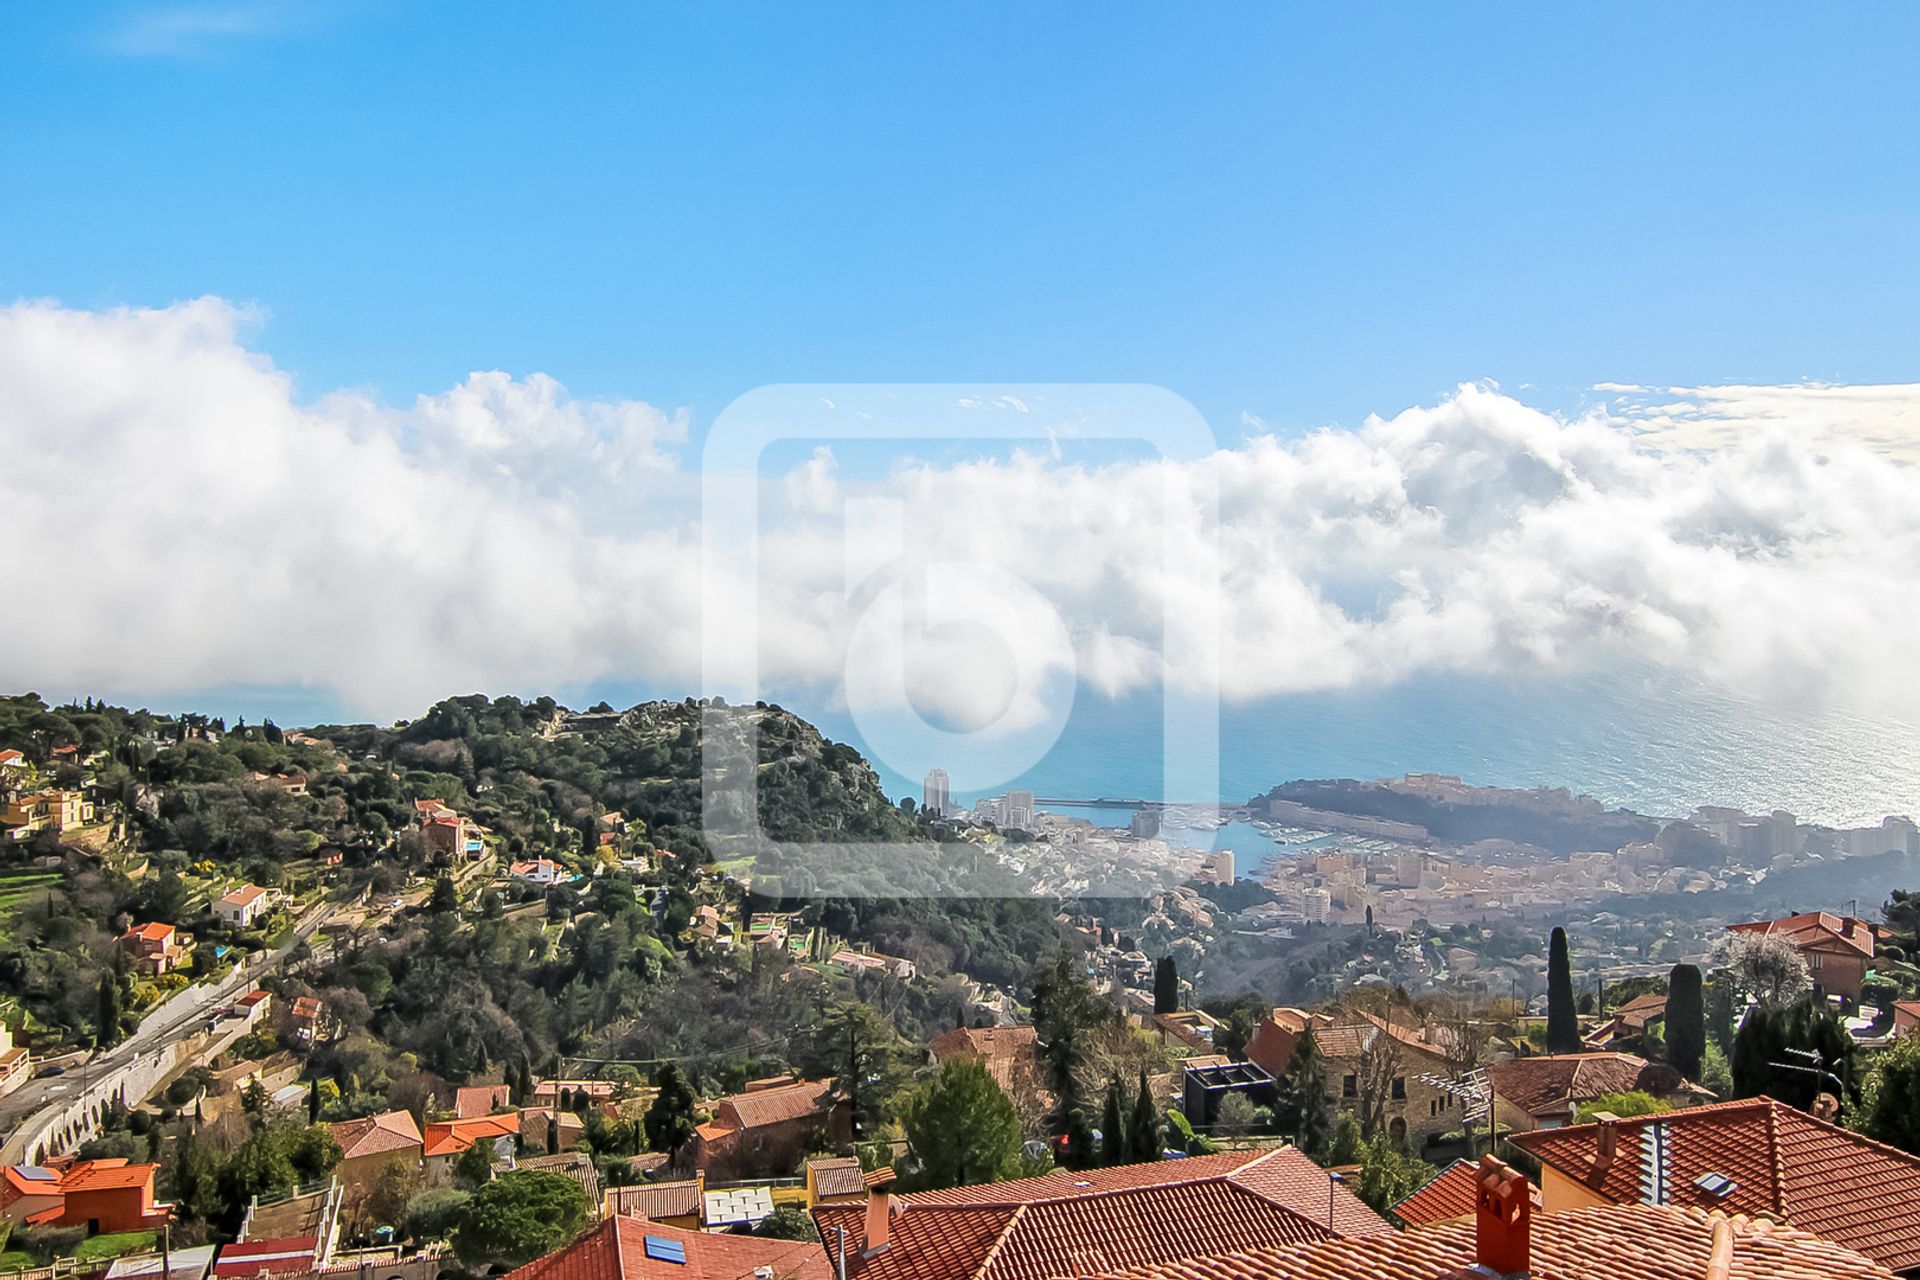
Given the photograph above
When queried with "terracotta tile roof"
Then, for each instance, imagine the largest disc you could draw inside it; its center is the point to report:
(155, 932)
(1610, 1242)
(1816, 1175)
(246, 895)
(1447, 1198)
(1349, 1040)
(617, 1250)
(1105, 1219)
(1011, 1054)
(1553, 1085)
(776, 1105)
(107, 1175)
(453, 1137)
(477, 1100)
(1642, 1009)
(657, 1199)
(836, 1176)
(1818, 930)
(377, 1135)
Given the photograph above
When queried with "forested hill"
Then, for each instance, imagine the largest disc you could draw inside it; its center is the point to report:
(1567, 830)
(519, 767)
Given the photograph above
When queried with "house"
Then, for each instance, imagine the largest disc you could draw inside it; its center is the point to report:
(309, 1020)
(447, 833)
(853, 963)
(446, 1141)
(241, 907)
(677, 1203)
(1754, 1156)
(576, 1166)
(1545, 1091)
(1011, 1056)
(1451, 1197)
(368, 1146)
(109, 1195)
(538, 871)
(1095, 1221)
(552, 1128)
(767, 1131)
(1370, 1053)
(1507, 1238)
(835, 1180)
(1838, 949)
(564, 1092)
(245, 1259)
(1274, 1039)
(57, 811)
(253, 1007)
(477, 1100)
(13, 759)
(1906, 1016)
(155, 948)
(634, 1249)
(1204, 1088)
(16, 1063)
(1187, 1031)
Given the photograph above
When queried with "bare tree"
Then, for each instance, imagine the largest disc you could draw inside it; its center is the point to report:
(1379, 1066)
(1769, 969)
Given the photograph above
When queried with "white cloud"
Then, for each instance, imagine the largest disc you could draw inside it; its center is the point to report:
(181, 519)
(1884, 418)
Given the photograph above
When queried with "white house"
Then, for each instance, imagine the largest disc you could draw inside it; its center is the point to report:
(242, 906)
(541, 871)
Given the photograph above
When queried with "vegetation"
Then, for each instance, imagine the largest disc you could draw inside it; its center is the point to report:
(962, 1128)
(1686, 1021)
(1563, 1024)
(518, 1217)
(1793, 1053)
(1623, 1105)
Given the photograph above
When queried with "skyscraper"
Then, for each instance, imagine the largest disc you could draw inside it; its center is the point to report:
(933, 793)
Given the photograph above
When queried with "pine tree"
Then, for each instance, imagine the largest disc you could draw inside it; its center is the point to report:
(669, 1121)
(313, 1100)
(1143, 1126)
(1113, 1136)
(1166, 986)
(1563, 1024)
(1308, 1111)
(1686, 1021)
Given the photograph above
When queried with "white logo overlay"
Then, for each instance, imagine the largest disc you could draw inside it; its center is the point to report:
(955, 655)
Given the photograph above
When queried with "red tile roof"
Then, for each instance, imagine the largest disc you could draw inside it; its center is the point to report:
(657, 1199)
(155, 932)
(1447, 1198)
(246, 895)
(776, 1105)
(1642, 1009)
(1818, 930)
(453, 1137)
(107, 1175)
(1610, 1242)
(1816, 1175)
(261, 1257)
(617, 1250)
(1104, 1219)
(478, 1099)
(377, 1135)
(1350, 1040)
(836, 1176)
(1552, 1086)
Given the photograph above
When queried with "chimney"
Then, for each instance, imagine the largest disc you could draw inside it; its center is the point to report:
(1826, 1107)
(1846, 926)
(879, 1210)
(1607, 1139)
(1503, 1219)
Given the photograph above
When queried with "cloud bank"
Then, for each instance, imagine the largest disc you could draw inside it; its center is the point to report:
(181, 518)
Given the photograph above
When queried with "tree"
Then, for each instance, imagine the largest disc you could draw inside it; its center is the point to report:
(519, 1217)
(1064, 1014)
(1379, 1066)
(1563, 1024)
(1305, 1108)
(1624, 1105)
(1389, 1175)
(474, 1168)
(446, 897)
(1143, 1125)
(1113, 1134)
(313, 1100)
(433, 1214)
(1893, 1095)
(1771, 1054)
(669, 1122)
(107, 1020)
(1237, 1116)
(962, 1128)
(1766, 968)
(1686, 1021)
(1166, 986)
(787, 1222)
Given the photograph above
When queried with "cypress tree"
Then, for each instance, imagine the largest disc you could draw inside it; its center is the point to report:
(1686, 1021)
(1563, 1024)
(1143, 1127)
(108, 1013)
(1166, 986)
(1308, 1110)
(1113, 1134)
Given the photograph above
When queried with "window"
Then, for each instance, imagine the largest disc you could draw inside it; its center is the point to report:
(1349, 1086)
(1815, 960)
(1433, 1107)
(1399, 1088)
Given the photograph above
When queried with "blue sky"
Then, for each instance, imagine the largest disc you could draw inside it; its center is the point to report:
(1306, 216)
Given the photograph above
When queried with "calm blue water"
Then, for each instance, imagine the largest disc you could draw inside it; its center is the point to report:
(1650, 743)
